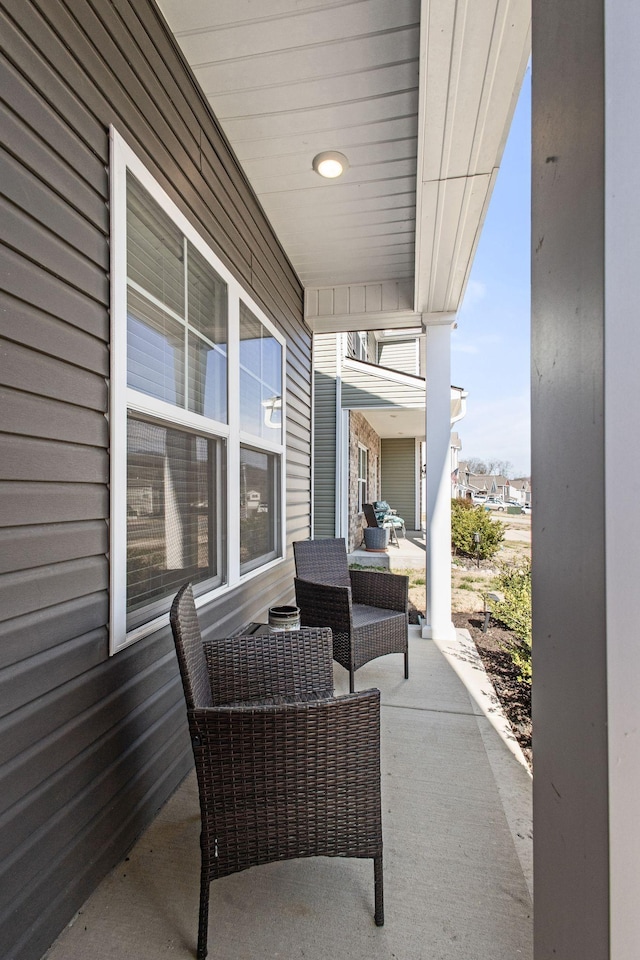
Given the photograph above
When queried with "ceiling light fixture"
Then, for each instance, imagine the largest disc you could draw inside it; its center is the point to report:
(330, 164)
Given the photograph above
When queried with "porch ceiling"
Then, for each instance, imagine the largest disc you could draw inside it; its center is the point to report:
(418, 94)
(404, 422)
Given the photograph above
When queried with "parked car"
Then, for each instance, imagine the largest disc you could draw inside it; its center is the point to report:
(526, 508)
(478, 498)
(494, 503)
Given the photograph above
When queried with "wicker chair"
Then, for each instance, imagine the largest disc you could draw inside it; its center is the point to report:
(376, 523)
(384, 517)
(367, 611)
(284, 768)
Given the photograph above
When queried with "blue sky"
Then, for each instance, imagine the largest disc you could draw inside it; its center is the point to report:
(491, 345)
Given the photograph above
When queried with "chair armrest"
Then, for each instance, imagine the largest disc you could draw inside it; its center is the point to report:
(315, 737)
(387, 590)
(324, 605)
(290, 664)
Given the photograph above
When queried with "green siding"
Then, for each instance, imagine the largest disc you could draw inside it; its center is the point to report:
(398, 477)
(324, 474)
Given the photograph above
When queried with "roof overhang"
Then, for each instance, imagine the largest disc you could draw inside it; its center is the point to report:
(418, 95)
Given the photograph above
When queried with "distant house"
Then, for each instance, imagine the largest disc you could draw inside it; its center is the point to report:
(492, 485)
(521, 489)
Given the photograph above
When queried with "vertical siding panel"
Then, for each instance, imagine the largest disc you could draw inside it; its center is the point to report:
(91, 746)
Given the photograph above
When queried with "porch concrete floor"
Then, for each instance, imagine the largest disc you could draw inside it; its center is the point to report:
(457, 835)
(408, 554)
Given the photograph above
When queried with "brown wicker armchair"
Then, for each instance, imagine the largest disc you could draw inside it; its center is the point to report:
(367, 611)
(284, 768)
(383, 523)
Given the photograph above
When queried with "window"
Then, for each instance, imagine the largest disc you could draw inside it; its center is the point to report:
(260, 379)
(174, 520)
(197, 443)
(362, 347)
(363, 469)
(260, 416)
(259, 507)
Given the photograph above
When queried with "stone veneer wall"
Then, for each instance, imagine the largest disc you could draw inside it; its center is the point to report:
(360, 431)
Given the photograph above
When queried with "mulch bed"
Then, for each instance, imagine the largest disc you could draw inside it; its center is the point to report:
(514, 696)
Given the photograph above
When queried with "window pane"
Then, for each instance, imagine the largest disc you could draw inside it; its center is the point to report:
(260, 379)
(363, 464)
(174, 513)
(155, 254)
(207, 312)
(207, 298)
(155, 351)
(207, 380)
(259, 508)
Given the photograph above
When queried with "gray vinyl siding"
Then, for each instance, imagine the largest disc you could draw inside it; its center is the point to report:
(361, 389)
(324, 493)
(398, 477)
(399, 355)
(92, 746)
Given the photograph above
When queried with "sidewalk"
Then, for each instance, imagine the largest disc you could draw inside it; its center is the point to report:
(457, 827)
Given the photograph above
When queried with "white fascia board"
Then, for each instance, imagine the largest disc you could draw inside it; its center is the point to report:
(353, 322)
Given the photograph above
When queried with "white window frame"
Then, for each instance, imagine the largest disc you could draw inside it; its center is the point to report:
(362, 345)
(361, 496)
(123, 398)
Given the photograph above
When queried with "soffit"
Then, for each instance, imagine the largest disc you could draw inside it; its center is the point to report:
(418, 94)
(398, 423)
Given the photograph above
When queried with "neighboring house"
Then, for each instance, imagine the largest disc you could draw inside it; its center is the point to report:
(369, 428)
(492, 485)
(497, 485)
(521, 489)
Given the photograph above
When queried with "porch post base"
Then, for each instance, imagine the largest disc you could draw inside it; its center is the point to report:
(445, 632)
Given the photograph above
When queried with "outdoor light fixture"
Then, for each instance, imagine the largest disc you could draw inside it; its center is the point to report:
(330, 164)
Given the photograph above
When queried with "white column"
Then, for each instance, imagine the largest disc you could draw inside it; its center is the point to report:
(622, 427)
(438, 624)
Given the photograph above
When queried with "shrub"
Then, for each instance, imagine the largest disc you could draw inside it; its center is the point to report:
(467, 520)
(515, 613)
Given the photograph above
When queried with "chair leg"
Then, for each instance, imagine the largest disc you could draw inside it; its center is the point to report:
(406, 664)
(203, 919)
(379, 890)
